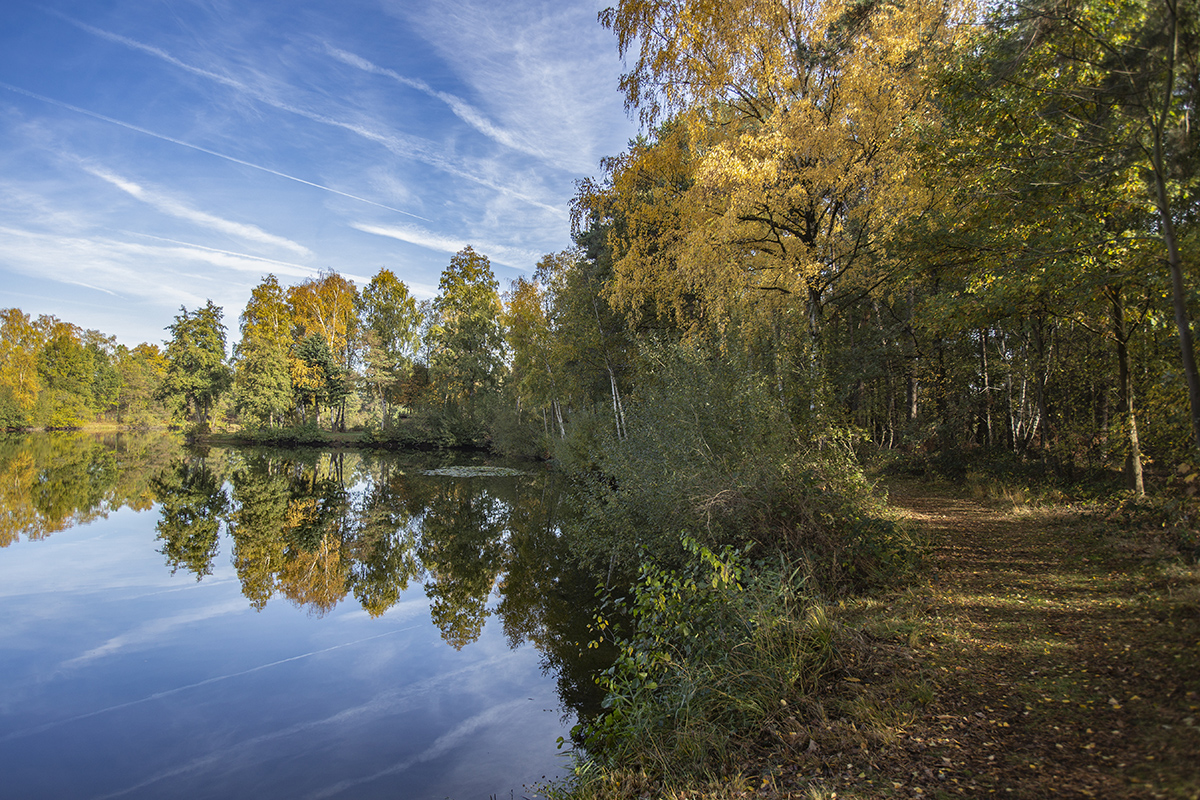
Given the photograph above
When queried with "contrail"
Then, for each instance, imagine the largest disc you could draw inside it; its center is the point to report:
(384, 703)
(442, 745)
(200, 149)
(159, 695)
(409, 149)
(295, 269)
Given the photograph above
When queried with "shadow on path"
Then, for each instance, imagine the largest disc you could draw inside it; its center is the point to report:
(1062, 665)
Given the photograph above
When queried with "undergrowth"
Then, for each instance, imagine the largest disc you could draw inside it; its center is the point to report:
(716, 651)
(729, 635)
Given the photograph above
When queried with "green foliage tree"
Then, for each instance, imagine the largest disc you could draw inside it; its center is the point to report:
(258, 524)
(66, 368)
(192, 505)
(140, 372)
(1141, 59)
(462, 550)
(316, 377)
(105, 385)
(529, 340)
(196, 374)
(392, 322)
(466, 337)
(1044, 225)
(384, 542)
(262, 379)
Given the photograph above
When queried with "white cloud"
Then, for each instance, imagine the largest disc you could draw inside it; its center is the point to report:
(547, 70)
(181, 210)
(150, 272)
(462, 109)
(357, 123)
(511, 256)
(151, 633)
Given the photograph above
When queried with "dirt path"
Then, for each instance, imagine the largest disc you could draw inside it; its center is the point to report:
(1062, 663)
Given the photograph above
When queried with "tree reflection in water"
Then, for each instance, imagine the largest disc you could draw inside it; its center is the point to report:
(53, 481)
(191, 502)
(317, 528)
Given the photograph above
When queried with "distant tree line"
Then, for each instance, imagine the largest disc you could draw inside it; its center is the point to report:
(56, 375)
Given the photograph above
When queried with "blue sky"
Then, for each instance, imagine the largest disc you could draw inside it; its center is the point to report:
(157, 154)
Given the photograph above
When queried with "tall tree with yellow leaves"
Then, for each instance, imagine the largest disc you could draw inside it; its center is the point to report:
(328, 307)
(788, 161)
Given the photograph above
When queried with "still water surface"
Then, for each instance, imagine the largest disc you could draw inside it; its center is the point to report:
(236, 623)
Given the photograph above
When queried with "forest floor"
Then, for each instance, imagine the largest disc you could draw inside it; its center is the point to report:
(1050, 654)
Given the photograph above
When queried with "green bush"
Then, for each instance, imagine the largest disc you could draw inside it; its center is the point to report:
(711, 453)
(297, 435)
(717, 650)
(12, 416)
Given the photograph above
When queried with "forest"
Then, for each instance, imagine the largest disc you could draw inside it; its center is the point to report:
(933, 234)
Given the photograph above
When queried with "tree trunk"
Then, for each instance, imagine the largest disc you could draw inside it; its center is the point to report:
(1133, 457)
(1039, 386)
(618, 407)
(911, 393)
(1187, 347)
(562, 429)
(987, 388)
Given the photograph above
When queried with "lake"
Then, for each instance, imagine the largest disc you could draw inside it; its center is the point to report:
(208, 623)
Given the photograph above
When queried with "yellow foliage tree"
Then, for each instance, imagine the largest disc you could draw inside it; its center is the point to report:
(789, 157)
(327, 307)
(20, 341)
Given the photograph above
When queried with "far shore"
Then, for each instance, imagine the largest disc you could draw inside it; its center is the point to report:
(355, 438)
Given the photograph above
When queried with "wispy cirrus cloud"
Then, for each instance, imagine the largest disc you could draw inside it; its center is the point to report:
(449, 244)
(119, 267)
(198, 148)
(548, 69)
(150, 633)
(400, 144)
(176, 208)
(461, 108)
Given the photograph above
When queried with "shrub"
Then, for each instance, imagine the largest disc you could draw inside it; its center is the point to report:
(711, 453)
(715, 650)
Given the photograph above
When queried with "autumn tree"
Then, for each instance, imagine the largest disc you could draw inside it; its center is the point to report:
(20, 340)
(785, 164)
(327, 307)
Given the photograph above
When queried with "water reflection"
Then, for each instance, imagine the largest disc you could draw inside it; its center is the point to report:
(316, 529)
(192, 503)
(52, 482)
